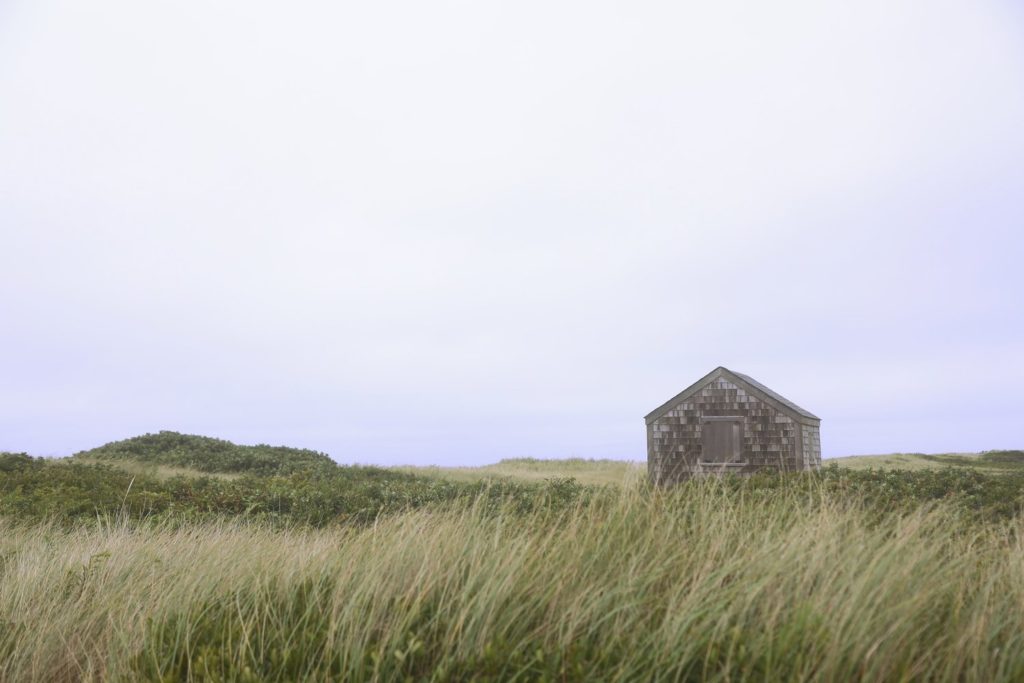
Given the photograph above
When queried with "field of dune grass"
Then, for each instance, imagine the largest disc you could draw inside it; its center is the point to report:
(625, 472)
(992, 462)
(707, 582)
(585, 471)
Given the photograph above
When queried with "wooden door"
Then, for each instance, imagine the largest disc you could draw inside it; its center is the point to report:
(722, 439)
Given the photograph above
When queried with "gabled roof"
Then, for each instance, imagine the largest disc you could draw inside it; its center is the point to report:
(749, 383)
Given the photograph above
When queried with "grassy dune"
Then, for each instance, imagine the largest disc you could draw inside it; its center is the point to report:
(901, 461)
(190, 452)
(591, 472)
(623, 586)
(995, 462)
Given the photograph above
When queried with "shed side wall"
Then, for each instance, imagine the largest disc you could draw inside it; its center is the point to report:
(812, 446)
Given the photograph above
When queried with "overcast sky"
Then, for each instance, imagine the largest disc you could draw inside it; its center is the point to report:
(453, 232)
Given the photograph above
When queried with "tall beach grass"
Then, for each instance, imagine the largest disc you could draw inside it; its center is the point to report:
(705, 583)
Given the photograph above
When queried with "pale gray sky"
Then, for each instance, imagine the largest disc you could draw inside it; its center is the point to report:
(452, 232)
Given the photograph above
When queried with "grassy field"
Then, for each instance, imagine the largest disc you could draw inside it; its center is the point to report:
(115, 567)
(622, 587)
(901, 461)
(624, 472)
(590, 472)
(991, 461)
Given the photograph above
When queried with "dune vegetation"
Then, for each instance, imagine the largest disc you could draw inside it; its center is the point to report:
(594, 472)
(994, 462)
(206, 455)
(709, 583)
(369, 574)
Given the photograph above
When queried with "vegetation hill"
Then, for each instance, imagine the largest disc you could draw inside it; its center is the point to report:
(596, 472)
(993, 462)
(208, 455)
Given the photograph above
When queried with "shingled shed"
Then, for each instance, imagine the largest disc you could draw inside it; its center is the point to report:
(728, 422)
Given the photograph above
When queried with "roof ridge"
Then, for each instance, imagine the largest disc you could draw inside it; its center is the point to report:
(772, 396)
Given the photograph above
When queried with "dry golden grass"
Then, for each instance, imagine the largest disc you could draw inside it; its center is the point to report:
(901, 461)
(635, 585)
(149, 469)
(590, 472)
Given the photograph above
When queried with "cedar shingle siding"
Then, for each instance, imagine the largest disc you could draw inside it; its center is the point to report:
(728, 422)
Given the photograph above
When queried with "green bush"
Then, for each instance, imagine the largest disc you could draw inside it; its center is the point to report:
(210, 455)
(36, 489)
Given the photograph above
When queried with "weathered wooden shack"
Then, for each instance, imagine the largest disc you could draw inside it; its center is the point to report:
(728, 422)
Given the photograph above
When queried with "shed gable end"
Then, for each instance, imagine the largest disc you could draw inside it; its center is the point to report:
(749, 384)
